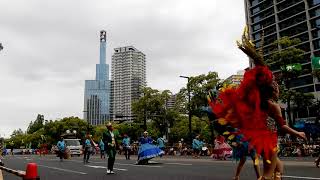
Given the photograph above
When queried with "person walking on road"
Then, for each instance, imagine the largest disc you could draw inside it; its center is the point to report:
(109, 139)
(126, 146)
(101, 146)
(87, 148)
(61, 148)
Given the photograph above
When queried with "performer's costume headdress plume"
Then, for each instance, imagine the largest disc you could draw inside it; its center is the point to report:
(242, 107)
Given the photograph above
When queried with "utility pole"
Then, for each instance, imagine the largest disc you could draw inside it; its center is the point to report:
(189, 106)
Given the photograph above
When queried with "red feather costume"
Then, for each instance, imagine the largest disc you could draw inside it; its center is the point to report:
(241, 106)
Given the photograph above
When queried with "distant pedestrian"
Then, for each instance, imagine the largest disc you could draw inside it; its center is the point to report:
(196, 146)
(126, 146)
(160, 142)
(61, 148)
(317, 161)
(110, 141)
(87, 148)
(102, 152)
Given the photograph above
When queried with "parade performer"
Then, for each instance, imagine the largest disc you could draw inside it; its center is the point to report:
(147, 150)
(110, 141)
(250, 106)
(240, 148)
(196, 146)
(240, 153)
(126, 146)
(61, 148)
(88, 148)
(161, 143)
(221, 150)
(102, 152)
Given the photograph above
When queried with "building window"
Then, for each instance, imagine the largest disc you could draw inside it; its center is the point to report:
(258, 44)
(255, 2)
(255, 10)
(256, 19)
(256, 27)
(257, 36)
(316, 2)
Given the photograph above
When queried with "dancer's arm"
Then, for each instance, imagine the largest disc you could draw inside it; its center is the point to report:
(275, 112)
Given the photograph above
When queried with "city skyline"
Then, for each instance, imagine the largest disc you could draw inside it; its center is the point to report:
(47, 54)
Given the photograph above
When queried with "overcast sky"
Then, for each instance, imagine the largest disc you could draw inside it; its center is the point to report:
(51, 47)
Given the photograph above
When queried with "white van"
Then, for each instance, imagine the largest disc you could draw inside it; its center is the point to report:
(74, 146)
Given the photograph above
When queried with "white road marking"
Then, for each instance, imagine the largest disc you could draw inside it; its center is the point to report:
(182, 164)
(103, 167)
(65, 170)
(300, 177)
(149, 166)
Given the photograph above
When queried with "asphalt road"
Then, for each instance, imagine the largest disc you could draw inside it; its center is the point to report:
(167, 168)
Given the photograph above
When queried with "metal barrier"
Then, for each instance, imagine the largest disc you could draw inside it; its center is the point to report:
(30, 174)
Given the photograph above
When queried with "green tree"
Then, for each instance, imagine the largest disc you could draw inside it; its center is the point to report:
(302, 101)
(199, 87)
(36, 125)
(288, 60)
(152, 105)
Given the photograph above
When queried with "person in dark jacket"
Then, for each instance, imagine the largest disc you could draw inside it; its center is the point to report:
(110, 141)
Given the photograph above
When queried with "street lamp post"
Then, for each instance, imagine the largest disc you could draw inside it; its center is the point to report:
(189, 106)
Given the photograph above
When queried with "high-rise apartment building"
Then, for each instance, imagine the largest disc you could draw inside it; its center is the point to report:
(274, 19)
(128, 74)
(171, 101)
(236, 78)
(97, 92)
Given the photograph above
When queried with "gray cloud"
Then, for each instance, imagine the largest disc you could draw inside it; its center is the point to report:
(51, 47)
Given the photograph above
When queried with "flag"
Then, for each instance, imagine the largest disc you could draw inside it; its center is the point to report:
(315, 61)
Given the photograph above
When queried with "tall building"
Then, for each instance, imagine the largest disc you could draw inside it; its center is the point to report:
(128, 76)
(236, 78)
(171, 101)
(97, 92)
(292, 18)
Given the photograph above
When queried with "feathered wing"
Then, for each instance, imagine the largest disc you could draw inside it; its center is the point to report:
(241, 107)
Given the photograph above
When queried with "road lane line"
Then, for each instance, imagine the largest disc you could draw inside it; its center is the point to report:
(300, 177)
(104, 167)
(65, 170)
(182, 164)
(149, 166)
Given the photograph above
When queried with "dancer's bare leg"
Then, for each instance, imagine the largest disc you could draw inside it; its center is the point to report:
(256, 166)
(240, 165)
(279, 170)
(269, 167)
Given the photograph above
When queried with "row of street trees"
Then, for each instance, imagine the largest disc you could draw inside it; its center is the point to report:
(151, 112)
